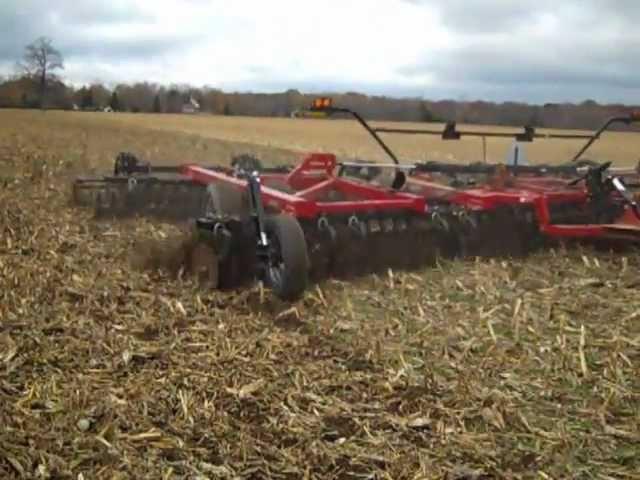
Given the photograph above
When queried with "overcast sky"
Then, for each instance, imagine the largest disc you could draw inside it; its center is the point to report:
(535, 51)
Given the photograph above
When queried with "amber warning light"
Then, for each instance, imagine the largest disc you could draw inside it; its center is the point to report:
(321, 104)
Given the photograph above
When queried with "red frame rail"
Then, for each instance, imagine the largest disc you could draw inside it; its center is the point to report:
(541, 193)
(312, 179)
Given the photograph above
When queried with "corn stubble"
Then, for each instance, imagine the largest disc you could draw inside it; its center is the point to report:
(468, 370)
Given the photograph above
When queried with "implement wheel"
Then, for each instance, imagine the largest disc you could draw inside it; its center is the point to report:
(287, 273)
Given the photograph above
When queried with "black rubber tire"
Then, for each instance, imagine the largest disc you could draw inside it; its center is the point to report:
(287, 237)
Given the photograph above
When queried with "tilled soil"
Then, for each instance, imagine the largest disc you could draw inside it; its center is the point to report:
(467, 370)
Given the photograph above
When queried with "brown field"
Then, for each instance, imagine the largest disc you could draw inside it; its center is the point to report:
(470, 370)
(172, 137)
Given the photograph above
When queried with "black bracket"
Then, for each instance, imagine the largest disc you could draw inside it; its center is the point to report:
(128, 164)
(215, 231)
(450, 132)
(253, 183)
(527, 136)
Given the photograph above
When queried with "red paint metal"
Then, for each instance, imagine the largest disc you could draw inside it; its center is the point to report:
(315, 179)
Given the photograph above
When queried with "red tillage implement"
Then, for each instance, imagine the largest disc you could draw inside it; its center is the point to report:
(286, 225)
(282, 226)
(524, 205)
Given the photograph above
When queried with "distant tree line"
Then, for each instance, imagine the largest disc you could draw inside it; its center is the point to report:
(35, 85)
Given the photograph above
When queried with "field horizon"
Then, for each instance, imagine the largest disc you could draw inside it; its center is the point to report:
(343, 137)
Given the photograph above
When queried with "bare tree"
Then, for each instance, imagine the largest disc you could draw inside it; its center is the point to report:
(40, 60)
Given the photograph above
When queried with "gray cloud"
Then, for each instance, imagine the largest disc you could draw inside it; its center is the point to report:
(492, 16)
(79, 30)
(536, 50)
(125, 49)
(521, 62)
(473, 16)
(526, 50)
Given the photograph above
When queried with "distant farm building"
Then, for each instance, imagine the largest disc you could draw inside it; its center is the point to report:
(191, 106)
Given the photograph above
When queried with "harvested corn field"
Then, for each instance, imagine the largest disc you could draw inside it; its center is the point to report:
(168, 138)
(470, 369)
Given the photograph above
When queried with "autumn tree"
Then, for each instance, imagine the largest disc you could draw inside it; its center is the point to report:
(86, 99)
(214, 101)
(40, 61)
(101, 95)
(174, 101)
(157, 106)
(12, 93)
(425, 114)
(114, 103)
(137, 97)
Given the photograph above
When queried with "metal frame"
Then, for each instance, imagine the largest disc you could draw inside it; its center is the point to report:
(539, 186)
(304, 203)
(303, 191)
